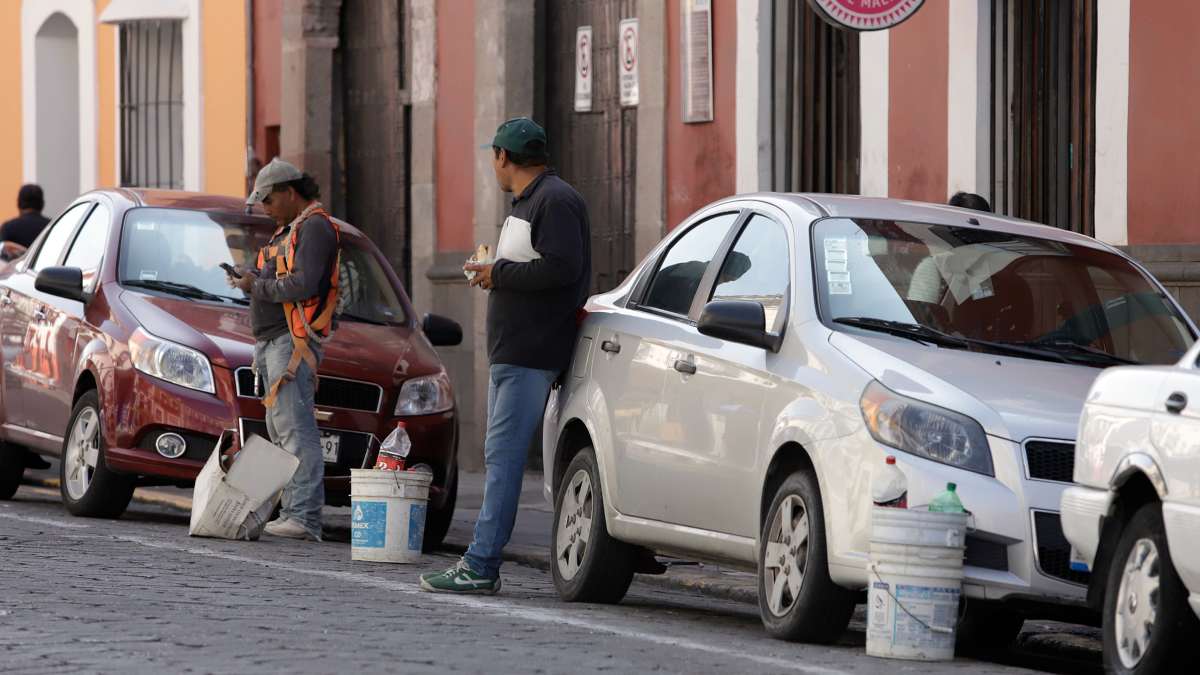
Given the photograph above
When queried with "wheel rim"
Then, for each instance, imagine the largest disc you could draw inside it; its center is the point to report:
(83, 453)
(574, 524)
(786, 555)
(1137, 602)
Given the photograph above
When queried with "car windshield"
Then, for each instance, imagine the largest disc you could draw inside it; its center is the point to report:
(180, 251)
(969, 288)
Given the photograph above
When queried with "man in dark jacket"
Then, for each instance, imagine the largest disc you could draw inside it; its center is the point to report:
(18, 234)
(537, 284)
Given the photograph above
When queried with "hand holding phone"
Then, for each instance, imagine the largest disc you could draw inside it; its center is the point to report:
(229, 269)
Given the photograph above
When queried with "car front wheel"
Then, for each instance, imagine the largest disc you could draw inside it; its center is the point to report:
(1148, 625)
(796, 598)
(88, 487)
(587, 564)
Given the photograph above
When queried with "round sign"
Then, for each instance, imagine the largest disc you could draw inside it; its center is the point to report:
(865, 14)
(629, 51)
(584, 52)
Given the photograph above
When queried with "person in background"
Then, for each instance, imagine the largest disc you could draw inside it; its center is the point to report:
(970, 200)
(20, 232)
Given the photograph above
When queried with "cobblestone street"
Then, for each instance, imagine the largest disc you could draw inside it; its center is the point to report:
(137, 595)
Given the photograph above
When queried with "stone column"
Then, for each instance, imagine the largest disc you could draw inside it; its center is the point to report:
(309, 36)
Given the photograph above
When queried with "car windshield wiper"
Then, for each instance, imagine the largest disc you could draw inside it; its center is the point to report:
(362, 319)
(915, 331)
(1072, 349)
(185, 290)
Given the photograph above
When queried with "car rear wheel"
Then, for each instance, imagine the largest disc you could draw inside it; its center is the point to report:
(12, 468)
(437, 524)
(985, 627)
(1148, 625)
(587, 564)
(796, 598)
(88, 487)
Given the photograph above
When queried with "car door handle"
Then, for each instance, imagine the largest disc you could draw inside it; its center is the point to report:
(685, 367)
(610, 347)
(39, 314)
(1176, 402)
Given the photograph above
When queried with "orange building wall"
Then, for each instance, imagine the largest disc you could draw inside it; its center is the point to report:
(700, 157)
(106, 100)
(223, 71)
(10, 108)
(918, 75)
(455, 125)
(1164, 136)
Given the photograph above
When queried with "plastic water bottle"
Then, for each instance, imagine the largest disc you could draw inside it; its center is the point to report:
(948, 501)
(890, 487)
(394, 449)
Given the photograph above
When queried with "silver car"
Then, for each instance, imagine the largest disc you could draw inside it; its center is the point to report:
(733, 399)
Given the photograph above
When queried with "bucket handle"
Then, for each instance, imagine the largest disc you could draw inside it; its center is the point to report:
(970, 515)
(888, 590)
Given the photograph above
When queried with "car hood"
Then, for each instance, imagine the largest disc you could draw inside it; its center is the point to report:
(1013, 398)
(223, 333)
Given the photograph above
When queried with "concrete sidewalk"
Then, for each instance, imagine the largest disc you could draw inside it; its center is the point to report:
(530, 543)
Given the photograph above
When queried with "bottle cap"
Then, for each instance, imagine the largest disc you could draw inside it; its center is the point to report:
(890, 459)
(401, 424)
(951, 487)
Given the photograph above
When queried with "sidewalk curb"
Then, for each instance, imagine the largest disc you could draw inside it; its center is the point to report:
(703, 586)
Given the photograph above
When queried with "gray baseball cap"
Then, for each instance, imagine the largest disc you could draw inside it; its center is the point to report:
(275, 172)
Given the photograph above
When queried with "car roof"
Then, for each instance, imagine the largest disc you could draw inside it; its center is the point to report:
(877, 208)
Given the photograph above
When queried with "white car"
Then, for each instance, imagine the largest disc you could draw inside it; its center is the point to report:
(734, 397)
(1134, 518)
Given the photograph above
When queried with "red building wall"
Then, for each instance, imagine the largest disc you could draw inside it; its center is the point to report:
(455, 125)
(1164, 134)
(700, 157)
(918, 75)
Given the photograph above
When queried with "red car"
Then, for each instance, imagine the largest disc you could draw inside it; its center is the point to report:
(126, 354)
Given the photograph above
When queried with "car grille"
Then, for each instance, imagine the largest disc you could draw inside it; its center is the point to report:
(987, 554)
(352, 454)
(1050, 460)
(1053, 549)
(332, 392)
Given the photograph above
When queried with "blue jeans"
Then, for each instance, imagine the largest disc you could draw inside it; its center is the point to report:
(516, 400)
(292, 425)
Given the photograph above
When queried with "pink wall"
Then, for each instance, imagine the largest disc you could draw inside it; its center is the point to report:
(700, 157)
(1164, 139)
(918, 75)
(455, 125)
(268, 48)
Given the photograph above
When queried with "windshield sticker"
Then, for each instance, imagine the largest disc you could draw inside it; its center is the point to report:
(148, 275)
(143, 225)
(839, 282)
(983, 291)
(836, 265)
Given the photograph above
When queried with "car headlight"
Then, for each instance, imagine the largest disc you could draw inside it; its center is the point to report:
(171, 362)
(425, 395)
(925, 430)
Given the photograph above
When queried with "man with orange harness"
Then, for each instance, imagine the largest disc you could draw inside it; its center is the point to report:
(293, 294)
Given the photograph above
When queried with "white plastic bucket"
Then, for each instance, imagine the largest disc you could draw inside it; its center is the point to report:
(915, 579)
(387, 508)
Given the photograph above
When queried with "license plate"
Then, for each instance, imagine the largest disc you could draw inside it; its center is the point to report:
(330, 445)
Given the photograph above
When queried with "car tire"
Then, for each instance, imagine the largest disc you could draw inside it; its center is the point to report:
(89, 488)
(437, 523)
(588, 564)
(1141, 570)
(985, 628)
(12, 469)
(819, 610)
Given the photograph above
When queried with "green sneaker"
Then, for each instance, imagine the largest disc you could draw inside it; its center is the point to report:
(459, 579)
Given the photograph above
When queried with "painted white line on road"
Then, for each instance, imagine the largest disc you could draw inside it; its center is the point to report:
(537, 615)
(46, 521)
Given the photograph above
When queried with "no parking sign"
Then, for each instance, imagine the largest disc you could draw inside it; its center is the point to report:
(627, 61)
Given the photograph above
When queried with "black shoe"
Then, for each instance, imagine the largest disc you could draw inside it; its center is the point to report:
(35, 461)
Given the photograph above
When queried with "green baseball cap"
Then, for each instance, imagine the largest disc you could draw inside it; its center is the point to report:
(275, 172)
(522, 136)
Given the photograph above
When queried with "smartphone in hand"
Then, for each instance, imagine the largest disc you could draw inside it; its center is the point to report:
(229, 269)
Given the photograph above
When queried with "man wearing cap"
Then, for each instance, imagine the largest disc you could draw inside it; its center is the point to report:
(537, 283)
(293, 296)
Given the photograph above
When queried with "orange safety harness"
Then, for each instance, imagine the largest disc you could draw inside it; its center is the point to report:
(310, 319)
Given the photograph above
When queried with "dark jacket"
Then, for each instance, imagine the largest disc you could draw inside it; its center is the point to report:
(531, 320)
(316, 251)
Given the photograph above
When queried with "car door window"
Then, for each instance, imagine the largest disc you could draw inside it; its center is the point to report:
(756, 268)
(678, 277)
(88, 248)
(56, 239)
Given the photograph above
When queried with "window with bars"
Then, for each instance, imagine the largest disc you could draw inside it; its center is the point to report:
(1044, 111)
(151, 106)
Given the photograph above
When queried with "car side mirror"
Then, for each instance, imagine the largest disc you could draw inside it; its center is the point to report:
(441, 331)
(741, 321)
(65, 282)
